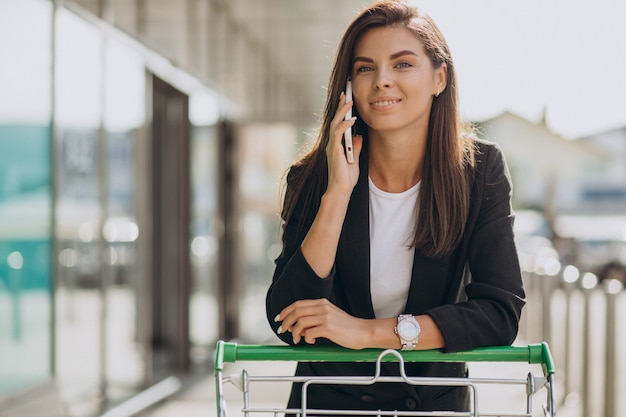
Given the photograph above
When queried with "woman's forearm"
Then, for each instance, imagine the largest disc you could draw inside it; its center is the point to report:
(319, 247)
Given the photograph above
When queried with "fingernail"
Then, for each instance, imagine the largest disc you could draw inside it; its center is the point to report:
(353, 118)
(280, 329)
(277, 317)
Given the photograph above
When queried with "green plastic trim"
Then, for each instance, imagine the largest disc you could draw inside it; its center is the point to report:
(231, 352)
(548, 363)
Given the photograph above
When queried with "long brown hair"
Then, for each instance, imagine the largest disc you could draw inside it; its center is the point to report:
(443, 203)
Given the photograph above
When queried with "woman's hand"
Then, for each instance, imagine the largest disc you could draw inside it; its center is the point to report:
(310, 319)
(342, 176)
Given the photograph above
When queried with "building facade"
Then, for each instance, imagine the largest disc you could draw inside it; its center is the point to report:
(134, 231)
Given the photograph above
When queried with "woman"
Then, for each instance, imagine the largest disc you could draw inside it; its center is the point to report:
(417, 234)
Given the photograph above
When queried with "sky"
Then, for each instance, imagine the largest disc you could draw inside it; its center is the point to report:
(564, 58)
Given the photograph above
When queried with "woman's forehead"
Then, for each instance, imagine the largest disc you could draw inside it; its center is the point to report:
(389, 40)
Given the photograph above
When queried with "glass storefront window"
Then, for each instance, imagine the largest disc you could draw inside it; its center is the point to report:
(100, 108)
(205, 226)
(79, 303)
(267, 150)
(124, 116)
(25, 195)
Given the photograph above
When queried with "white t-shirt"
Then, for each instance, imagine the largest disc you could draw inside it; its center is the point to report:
(392, 220)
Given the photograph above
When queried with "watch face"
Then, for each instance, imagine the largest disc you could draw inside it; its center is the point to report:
(407, 329)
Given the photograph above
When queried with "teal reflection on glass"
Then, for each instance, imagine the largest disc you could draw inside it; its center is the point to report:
(25, 195)
(25, 270)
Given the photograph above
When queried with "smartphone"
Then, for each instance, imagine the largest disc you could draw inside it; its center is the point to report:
(347, 137)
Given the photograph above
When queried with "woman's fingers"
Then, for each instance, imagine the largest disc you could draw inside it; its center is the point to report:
(339, 124)
(306, 318)
(311, 319)
(341, 112)
(297, 311)
(342, 176)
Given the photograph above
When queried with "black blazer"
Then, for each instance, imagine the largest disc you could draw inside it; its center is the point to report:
(475, 295)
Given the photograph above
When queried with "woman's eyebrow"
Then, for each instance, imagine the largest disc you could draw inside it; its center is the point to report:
(401, 53)
(392, 56)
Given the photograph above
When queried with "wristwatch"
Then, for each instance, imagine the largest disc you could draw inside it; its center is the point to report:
(408, 329)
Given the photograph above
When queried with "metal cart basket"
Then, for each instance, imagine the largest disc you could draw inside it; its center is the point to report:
(531, 384)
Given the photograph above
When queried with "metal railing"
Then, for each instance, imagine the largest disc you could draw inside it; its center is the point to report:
(579, 317)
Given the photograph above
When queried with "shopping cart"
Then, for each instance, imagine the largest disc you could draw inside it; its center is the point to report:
(531, 354)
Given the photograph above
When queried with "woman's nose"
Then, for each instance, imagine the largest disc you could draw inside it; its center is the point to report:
(382, 80)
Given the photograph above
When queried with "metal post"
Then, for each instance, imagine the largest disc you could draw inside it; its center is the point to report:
(589, 282)
(532, 317)
(103, 246)
(570, 278)
(612, 288)
(586, 383)
(549, 270)
(534, 325)
(546, 304)
(567, 351)
(526, 323)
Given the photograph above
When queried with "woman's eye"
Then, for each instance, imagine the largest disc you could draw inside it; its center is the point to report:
(363, 69)
(404, 65)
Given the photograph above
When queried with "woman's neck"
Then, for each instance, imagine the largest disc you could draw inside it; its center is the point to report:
(395, 160)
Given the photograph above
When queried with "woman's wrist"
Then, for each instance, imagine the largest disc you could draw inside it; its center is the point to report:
(379, 334)
(336, 197)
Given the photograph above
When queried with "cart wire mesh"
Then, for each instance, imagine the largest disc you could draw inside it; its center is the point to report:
(227, 352)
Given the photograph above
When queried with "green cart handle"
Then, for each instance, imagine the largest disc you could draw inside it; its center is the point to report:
(232, 352)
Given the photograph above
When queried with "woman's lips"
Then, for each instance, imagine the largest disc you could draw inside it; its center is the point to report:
(384, 102)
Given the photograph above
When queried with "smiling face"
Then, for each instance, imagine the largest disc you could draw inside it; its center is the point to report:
(393, 80)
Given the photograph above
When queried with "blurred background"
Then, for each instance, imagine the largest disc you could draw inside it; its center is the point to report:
(142, 148)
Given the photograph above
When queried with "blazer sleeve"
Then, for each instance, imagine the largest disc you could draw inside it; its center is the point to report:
(293, 278)
(495, 294)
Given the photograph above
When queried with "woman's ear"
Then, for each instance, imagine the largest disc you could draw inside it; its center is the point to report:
(441, 78)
